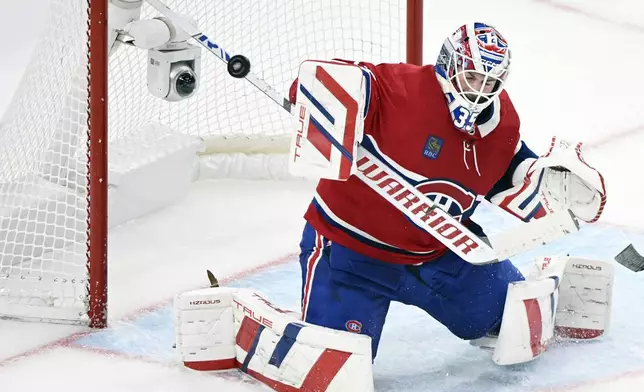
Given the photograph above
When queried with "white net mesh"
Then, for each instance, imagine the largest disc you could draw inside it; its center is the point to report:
(42, 191)
(276, 36)
(43, 133)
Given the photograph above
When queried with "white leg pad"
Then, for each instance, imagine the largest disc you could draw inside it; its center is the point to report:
(578, 291)
(585, 299)
(528, 321)
(224, 328)
(585, 295)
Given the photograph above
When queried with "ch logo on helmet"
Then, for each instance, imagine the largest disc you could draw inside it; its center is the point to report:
(491, 41)
(354, 326)
(450, 197)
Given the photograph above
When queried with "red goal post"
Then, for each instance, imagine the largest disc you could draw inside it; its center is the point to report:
(76, 103)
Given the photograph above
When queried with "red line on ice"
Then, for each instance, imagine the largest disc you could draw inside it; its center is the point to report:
(68, 341)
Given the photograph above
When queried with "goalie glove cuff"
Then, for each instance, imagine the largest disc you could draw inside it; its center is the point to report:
(560, 179)
(524, 200)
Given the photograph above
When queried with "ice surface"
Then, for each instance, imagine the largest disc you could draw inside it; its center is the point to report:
(417, 353)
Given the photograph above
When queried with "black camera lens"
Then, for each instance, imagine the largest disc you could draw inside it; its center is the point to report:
(186, 83)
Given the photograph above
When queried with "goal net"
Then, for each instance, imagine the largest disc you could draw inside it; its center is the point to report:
(52, 246)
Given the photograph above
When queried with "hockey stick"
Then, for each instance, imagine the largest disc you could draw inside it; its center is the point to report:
(424, 213)
(430, 217)
(232, 61)
(631, 259)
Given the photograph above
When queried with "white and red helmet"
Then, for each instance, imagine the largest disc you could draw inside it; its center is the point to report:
(479, 50)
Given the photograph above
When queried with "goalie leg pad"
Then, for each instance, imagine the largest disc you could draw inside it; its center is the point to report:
(224, 328)
(585, 294)
(580, 294)
(585, 299)
(528, 322)
(204, 329)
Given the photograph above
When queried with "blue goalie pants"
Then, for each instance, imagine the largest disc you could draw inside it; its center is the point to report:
(345, 290)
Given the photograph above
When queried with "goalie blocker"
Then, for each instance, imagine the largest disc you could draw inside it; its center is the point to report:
(331, 104)
(225, 328)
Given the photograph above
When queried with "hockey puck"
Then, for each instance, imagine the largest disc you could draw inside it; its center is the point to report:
(238, 66)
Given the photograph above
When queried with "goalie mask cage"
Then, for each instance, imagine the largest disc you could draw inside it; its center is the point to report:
(55, 134)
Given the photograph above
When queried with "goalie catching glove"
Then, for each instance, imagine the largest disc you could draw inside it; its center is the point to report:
(559, 180)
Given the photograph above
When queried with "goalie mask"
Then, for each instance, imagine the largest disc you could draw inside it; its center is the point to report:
(472, 68)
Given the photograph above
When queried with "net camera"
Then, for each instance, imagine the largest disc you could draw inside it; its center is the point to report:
(173, 75)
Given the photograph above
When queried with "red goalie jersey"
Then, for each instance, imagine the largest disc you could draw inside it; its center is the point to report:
(408, 126)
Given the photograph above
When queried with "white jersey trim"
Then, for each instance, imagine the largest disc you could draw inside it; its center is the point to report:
(491, 124)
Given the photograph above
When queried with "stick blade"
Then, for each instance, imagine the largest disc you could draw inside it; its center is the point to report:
(211, 278)
(631, 259)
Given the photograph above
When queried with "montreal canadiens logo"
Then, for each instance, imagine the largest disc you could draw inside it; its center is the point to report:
(490, 40)
(353, 326)
(450, 197)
